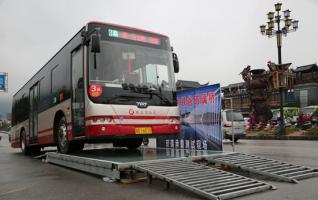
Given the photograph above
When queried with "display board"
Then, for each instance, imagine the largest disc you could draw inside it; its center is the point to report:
(200, 119)
(3, 82)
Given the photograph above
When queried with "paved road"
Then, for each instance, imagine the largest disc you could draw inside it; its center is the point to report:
(27, 178)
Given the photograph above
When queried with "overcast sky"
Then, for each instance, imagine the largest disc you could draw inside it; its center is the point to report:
(214, 39)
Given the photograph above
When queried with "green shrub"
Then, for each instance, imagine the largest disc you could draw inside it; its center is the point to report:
(312, 131)
(291, 130)
(288, 130)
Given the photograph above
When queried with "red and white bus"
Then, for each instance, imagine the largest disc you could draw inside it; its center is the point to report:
(109, 83)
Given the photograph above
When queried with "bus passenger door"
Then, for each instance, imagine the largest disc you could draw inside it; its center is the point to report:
(77, 77)
(33, 113)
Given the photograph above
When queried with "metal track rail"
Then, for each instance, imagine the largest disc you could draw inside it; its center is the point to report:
(259, 165)
(203, 180)
(93, 166)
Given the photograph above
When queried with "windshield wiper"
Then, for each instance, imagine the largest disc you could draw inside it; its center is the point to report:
(159, 94)
(144, 89)
(122, 97)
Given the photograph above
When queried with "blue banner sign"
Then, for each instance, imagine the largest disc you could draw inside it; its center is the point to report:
(3, 82)
(200, 118)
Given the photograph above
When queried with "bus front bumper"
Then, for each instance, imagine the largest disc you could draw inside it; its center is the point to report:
(131, 130)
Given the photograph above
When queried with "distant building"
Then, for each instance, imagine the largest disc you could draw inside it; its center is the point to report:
(240, 99)
(302, 91)
(8, 120)
(2, 121)
(9, 116)
(306, 85)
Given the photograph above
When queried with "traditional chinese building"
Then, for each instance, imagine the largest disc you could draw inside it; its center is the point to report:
(240, 98)
(306, 85)
(302, 91)
(184, 85)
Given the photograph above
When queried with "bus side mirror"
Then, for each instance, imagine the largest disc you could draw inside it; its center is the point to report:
(175, 63)
(95, 44)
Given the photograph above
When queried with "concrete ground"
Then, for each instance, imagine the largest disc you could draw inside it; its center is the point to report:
(27, 178)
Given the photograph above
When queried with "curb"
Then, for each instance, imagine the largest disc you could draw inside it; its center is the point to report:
(285, 137)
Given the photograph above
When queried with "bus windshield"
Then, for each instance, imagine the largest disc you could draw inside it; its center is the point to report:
(121, 64)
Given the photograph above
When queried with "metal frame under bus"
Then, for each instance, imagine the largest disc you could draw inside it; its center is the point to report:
(102, 86)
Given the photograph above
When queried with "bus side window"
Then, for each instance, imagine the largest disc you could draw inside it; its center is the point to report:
(59, 80)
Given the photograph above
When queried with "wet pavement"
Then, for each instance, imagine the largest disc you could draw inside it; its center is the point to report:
(27, 178)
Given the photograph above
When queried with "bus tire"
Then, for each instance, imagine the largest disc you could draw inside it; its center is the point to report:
(24, 149)
(63, 145)
(133, 143)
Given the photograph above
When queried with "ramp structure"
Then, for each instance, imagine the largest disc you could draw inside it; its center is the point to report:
(259, 165)
(171, 167)
(205, 181)
(178, 167)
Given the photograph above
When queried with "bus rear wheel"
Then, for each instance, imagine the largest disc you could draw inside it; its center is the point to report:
(31, 150)
(24, 149)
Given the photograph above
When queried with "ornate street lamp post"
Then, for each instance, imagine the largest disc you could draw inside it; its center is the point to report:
(270, 31)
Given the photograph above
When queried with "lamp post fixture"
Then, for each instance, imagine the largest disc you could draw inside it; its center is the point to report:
(269, 30)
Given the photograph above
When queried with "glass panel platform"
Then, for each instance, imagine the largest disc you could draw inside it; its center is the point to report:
(123, 155)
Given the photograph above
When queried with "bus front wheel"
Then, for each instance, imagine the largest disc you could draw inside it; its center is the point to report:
(63, 144)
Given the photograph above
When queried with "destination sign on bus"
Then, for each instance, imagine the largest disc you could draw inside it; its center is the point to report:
(133, 36)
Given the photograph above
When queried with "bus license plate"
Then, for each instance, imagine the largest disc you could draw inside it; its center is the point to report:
(143, 130)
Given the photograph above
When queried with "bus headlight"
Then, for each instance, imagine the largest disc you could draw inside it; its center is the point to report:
(94, 120)
(102, 120)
